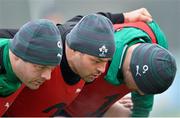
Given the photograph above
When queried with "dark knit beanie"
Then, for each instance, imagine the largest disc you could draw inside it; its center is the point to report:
(153, 68)
(93, 35)
(38, 42)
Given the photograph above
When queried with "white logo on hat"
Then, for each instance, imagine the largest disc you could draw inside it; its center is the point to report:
(145, 68)
(102, 51)
(59, 44)
(59, 55)
(137, 70)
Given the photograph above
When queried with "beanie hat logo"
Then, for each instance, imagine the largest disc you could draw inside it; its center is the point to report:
(59, 44)
(145, 68)
(59, 55)
(137, 70)
(103, 50)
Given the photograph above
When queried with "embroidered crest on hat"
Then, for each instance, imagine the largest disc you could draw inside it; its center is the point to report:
(59, 44)
(103, 51)
(144, 70)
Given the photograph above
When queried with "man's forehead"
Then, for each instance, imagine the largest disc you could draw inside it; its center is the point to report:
(105, 59)
(102, 59)
(43, 66)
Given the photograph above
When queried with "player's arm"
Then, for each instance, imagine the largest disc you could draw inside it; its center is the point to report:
(142, 105)
(7, 33)
(121, 108)
(141, 14)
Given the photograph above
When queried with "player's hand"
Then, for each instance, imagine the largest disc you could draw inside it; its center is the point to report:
(126, 102)
(141, 14)
(118, 110)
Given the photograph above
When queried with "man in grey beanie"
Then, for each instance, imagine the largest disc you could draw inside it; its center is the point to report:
(24, 59)
(92, 42)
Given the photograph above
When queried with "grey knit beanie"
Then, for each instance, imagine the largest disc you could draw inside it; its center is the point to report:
(38, 42)
(153, 68)
(93, 35)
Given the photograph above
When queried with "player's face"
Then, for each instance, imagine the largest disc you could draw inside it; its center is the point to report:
(89, 67)
(128, 78)
(32, 75)
(130, 83)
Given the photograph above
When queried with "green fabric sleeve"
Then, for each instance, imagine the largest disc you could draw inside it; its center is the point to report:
(7, 87)
(9, 83)
(160, 36)
(142, 104)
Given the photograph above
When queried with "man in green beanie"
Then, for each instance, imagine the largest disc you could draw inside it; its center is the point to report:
(24, 59)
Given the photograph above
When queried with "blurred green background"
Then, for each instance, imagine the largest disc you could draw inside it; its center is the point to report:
(14, 13)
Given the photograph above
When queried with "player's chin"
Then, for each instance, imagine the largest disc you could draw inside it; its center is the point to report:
(89, 79)
(33, 87)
